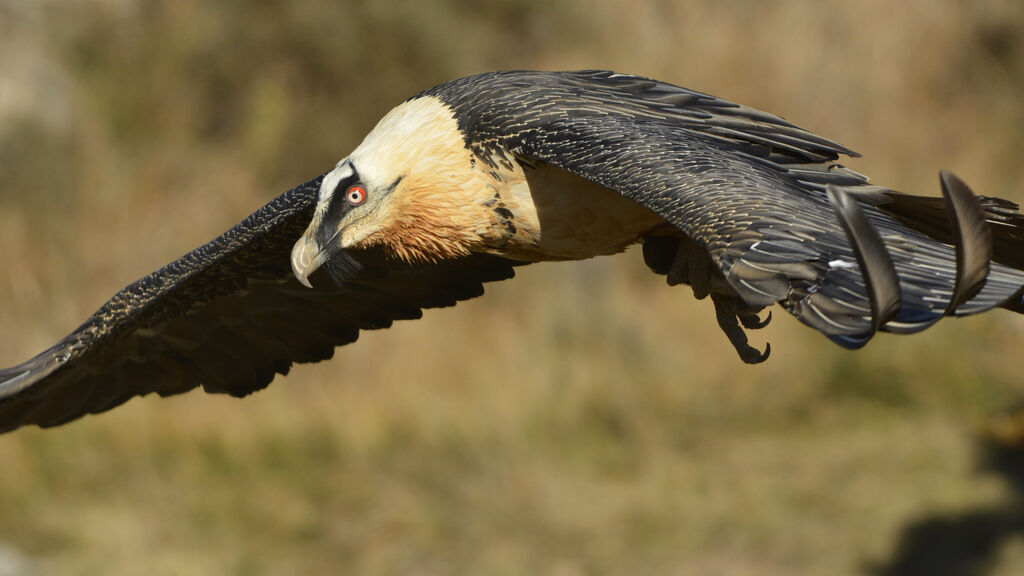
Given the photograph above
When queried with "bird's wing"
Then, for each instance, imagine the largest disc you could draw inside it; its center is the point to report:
(227, 316)
(750, 188)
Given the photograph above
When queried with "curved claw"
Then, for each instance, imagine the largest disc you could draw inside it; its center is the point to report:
(751, 355)
(762, 356)
(729, 321)
(752, 321)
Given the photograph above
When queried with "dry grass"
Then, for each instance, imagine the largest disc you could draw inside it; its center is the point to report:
(581, 419)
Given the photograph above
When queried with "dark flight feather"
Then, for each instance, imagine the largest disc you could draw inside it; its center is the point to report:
(973, 240)
(229, 316)
(883, 285)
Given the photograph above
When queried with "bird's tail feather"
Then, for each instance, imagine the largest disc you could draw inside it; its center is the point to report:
(987, 234)
(929, 216)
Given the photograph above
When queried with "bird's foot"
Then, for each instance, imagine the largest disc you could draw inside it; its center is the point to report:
(730, 313)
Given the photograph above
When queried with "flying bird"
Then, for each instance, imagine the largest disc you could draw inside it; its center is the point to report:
(465, 181)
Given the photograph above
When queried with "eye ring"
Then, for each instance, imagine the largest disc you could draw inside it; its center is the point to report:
(356, 195)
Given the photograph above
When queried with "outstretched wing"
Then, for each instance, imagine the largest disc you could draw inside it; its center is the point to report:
(748, 187)
(228, 316)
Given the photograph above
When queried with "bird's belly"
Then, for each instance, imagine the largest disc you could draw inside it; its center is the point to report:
(552, 214)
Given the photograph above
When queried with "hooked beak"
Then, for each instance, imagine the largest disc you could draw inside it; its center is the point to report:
(307, 256)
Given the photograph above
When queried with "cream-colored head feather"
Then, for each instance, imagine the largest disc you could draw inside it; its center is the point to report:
(420, 181)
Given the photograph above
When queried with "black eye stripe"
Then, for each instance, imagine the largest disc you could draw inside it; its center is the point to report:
(346, 182)
(337, 206)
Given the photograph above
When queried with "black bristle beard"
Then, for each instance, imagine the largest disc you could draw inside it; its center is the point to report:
(342, 268)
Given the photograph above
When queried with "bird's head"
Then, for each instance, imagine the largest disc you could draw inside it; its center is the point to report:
(401, 188)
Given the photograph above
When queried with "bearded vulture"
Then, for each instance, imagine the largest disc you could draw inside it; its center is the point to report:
(463, 182)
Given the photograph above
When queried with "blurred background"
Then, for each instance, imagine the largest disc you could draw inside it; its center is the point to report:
(583, 418)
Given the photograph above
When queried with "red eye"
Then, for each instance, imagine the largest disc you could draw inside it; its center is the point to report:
(356, 195)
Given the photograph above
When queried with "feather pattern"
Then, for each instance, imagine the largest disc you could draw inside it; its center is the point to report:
(747, 186)
(229, 316)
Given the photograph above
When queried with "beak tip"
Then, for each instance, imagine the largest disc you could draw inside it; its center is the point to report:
(303, 280)
(306, 258)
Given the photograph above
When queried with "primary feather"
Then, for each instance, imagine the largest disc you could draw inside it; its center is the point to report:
(461, 183)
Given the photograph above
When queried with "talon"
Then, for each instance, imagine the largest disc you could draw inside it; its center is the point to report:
(752, 356)
(729, 322)
(753, 322)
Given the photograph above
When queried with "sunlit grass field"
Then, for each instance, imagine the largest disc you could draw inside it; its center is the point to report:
(584, 418)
